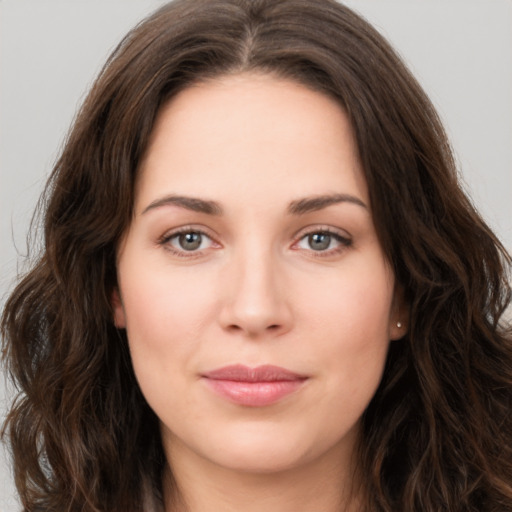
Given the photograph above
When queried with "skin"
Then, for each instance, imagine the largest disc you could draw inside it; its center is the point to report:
(256, 291)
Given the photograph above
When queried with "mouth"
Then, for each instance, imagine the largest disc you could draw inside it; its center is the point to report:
(253, 387)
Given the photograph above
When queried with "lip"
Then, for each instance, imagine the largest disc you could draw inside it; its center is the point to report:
(253, 387)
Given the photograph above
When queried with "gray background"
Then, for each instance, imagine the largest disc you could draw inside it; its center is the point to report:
(460, 50)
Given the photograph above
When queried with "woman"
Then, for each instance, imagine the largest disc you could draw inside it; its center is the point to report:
(262, 287)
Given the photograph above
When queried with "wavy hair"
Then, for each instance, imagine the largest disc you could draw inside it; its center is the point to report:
(437, 435)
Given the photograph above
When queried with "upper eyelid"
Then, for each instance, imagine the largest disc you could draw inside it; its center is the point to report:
(170, 233)
(320, 228)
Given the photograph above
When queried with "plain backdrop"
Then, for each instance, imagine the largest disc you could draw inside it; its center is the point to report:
(460, 50)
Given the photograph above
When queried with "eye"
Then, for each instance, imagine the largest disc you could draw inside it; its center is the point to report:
(323, 241)
(187, 241)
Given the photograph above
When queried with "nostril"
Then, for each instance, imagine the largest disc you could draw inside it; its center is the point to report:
(237, 328)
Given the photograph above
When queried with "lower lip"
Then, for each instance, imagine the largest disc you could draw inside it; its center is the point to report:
(254, 394)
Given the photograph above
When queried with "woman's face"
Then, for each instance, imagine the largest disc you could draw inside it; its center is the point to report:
(256, 297)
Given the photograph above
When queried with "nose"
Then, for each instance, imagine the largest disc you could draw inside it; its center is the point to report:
(255, 300)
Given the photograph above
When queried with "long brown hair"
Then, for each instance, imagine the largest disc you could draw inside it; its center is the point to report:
(438, 433)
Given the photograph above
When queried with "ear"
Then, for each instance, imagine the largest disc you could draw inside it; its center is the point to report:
(399, 317)
(118, 309)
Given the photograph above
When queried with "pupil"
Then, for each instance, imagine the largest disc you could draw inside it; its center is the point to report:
(319, 241)
(190, 241)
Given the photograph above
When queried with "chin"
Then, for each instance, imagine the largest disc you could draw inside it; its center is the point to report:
(262, 460)
(260, 450)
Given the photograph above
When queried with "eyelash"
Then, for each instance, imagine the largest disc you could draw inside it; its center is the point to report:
(344, 241)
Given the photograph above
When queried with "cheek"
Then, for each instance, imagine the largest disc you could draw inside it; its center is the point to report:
(163, 305)
(354, 304)
(163, 321)
(164, 317)
(350, 321)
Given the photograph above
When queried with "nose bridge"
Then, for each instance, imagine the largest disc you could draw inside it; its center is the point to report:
(256, 301)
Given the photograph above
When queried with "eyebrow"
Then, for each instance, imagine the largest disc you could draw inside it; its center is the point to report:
(296, 207)
(315, 203)
(190, 203)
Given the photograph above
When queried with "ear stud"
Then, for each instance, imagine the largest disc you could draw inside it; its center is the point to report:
(399, 325)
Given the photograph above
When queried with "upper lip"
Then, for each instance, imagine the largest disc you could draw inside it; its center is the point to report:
(242, 373)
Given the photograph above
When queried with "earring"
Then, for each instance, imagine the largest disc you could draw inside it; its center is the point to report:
(399, 325)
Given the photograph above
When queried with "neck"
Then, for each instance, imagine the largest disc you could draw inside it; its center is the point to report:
(199, 486)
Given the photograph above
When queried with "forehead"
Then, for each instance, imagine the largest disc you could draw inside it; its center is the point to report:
(251, 134)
